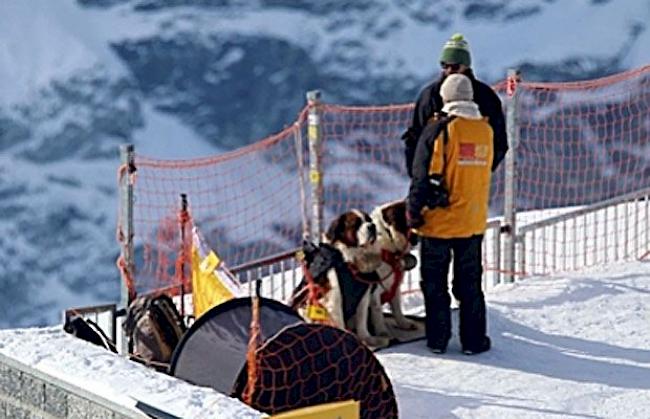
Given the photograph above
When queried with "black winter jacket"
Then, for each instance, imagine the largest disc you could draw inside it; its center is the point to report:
(429, 102)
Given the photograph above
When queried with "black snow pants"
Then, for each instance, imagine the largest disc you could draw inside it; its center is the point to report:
(466, 287)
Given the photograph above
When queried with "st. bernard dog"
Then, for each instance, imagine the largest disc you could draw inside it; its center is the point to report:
(393, 244)
(344, 266)
(354, 234)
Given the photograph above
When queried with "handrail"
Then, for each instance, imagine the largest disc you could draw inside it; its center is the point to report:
(110, 309)
(288, 254)
(584, 210)
(91, 309)
(258, 263)
(494, 223)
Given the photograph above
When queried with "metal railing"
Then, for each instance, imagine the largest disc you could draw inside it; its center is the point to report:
(281, 273)
(608, 231)
(104, 315)
(493, 251)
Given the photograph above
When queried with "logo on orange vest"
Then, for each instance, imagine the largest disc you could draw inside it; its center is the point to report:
(471, 154)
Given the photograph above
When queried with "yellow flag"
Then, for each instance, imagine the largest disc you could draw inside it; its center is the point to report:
(212, 282)
(340, 410)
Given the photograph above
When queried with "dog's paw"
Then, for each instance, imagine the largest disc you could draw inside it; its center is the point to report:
(406, 324)
(377, 341)
(380, 328)
(385, 333)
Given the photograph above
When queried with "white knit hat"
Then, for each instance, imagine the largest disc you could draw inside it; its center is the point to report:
(456, 87)
(458, 97)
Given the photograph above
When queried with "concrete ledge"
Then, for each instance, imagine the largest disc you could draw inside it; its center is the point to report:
(29, 393)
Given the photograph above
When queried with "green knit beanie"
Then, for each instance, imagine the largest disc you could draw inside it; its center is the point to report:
(456, 51)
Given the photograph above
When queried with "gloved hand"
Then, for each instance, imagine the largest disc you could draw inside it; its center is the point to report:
(414, 219)
(437, 195)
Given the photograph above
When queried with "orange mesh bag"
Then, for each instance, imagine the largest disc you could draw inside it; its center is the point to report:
(311, 364)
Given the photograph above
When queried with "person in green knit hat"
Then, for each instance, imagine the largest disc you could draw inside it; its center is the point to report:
(455, 57)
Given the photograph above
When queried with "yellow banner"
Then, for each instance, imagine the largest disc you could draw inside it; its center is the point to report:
(208, 289)
(338, 410)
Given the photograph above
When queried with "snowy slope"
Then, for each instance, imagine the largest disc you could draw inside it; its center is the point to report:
(564, 346)
(78, 78)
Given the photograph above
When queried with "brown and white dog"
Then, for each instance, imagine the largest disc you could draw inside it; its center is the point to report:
(354, 234)
(393, 244)
(357, 268)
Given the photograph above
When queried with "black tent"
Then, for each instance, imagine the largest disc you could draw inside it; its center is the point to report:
(299, 364)
(213, 351)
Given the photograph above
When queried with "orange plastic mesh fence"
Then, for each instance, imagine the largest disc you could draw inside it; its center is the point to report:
(363, 156)
(583, 143)
(580, 143)
(247, 204)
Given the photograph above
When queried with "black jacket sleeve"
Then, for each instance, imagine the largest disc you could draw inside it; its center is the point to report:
(424, 149)
(419, 189)
(427, 103)
(491, 107)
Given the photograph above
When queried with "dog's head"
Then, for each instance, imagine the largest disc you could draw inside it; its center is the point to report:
(392, 230)
(354, 235)
(353, 228)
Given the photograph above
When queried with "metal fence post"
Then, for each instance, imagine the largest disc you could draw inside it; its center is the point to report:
(314, 134)
(510, 199)
(127, 160)
(184, 219)
(297, 136)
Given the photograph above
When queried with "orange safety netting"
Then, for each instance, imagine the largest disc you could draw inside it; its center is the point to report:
(583, 143)
(579, 143)
(247, 204)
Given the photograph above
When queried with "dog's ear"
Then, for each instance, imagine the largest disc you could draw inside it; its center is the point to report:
(395, 215)
(336, 229)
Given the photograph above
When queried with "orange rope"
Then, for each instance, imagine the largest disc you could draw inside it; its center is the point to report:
(183, 258)
(223, 157)
(251, 358)
(315, 291)
(126, 277)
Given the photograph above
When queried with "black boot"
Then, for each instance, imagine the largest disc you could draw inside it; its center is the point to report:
(483, 346)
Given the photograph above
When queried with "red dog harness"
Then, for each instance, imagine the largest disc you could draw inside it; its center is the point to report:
(394, 260)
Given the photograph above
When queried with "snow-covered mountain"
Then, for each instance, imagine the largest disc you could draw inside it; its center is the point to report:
(187, 78)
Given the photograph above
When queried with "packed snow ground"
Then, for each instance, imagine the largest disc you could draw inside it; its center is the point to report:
(568, 346)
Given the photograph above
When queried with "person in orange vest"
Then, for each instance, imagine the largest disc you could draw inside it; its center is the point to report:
(455, 58)
(447, 207)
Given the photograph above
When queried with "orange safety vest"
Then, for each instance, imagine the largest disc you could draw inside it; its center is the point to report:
(465, 162)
